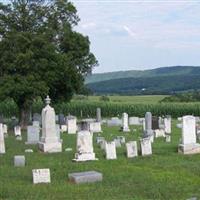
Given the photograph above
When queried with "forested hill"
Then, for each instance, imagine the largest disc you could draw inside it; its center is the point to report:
(165, 80)
(164, 71)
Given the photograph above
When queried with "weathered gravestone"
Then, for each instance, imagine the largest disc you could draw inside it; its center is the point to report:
(2, 142)
(49, 141)
(98, 114)
(117, 142)
(71, 125)
(155, 123)
(33, 135)
(167, 125)
(148, 132)
(17, 131)
(125, 127)
(36, 123)
(37, 117)
(5, 130)
(61, 119)
(145, 144)
(114, 121)
(188, 143)
(110, 150)
(84, 147)
(85, 177)
(41, 176)
(131, 149)
(95, 127)
(134, 121)
(19, 161)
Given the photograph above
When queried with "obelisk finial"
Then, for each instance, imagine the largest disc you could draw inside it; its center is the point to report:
(47, 100)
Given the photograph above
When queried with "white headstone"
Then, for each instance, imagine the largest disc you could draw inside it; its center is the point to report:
(49, 141)
(188, 143)
(95, 127)
(36, 123)
(5, 129)
(159, 133)
(33, 134)
(114, 121)
(134, 121)
(146, 148)
(117, 142)
(125, 127)
(17, 130)
(131, 149)
(84, 146)
(167, 125)
(63, 128)
(41, 176)
(110, 149)
(71, 125)
(2, 142)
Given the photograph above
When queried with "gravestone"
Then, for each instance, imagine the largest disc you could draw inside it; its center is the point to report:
(71, 125)
(155, 123)
(134, 121)
(188, 143)
(84, 147)
(95, 127)
(114, 121)
(14, 122)
(19, 161)
(37, 117)
(131, 149)
(33, 135)
(5, 130)
(125, 127)
(98, 114)
(102, 144)
(167, 124)
(41, 176)
(2, 142)
(36, 123)
(61, 119)
(117, 143)
(168, 138)
(63, 128)
(148, 132)
(85, 177)
(159, 133)
(17, 131)
(145, 144)
(28, 150)
(110, 149)
(49, 141)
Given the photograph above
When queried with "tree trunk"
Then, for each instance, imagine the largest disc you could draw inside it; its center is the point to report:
(24, 118)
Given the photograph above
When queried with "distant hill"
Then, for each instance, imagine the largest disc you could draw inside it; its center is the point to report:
(164, 80)
(164, 71)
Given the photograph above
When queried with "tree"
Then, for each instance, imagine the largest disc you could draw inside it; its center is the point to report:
(40, 53)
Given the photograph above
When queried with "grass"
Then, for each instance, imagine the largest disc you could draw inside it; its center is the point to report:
(164, 175)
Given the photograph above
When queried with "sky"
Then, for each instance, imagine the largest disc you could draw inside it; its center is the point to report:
(141, 34)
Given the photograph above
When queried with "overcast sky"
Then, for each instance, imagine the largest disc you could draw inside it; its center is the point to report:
(130, 34)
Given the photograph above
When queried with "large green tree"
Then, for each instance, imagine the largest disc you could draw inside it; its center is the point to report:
(41, 53)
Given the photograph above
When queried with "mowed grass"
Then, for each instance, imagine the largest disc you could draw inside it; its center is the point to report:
(144, 99)
(164, 175)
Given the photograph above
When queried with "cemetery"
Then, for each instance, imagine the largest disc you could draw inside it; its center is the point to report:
(119, 160)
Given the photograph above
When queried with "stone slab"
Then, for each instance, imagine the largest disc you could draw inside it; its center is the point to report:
(41, 176)
(85, 177)
(19, 161)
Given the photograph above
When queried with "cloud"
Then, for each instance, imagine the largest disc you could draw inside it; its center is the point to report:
(88, 25)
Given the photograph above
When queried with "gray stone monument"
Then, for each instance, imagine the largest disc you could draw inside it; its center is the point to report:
(98, 114)
(33, 135)
(148, 132)
(19, 161)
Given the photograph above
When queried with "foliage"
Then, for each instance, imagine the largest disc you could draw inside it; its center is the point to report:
(40, 53)
(183, 97)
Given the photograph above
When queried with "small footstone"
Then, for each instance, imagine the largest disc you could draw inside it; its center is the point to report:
(28, 150)
(19, 161)
(85, 177)
(68, 149)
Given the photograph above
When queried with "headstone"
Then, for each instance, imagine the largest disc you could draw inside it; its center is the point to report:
(83, 126)
(58, 131)
(98, 114)
(110, 149)
(115, 121)
(2, 142)
(131, 149)
(49, 141)
(125, 127)
(71, 125)
(61, 119)
(155, 123)
(41, 176)
(117, 143)
(37, 117)
(134, 121)
(95, 127)
(28, 150)
(146, 148)
(168, 138)
(84, 147)
(19, 161)
(167, 125)
(63, 128)
(85, 177)
(159, 133)
(68, 149)
(148, 126)
(102, 144)
(36, 123)
(33, 135)
(188, 143)
(17, 131)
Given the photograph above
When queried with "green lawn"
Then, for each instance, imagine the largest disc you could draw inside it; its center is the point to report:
(164, 175)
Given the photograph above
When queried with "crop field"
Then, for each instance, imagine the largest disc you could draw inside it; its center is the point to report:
(164, 175)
